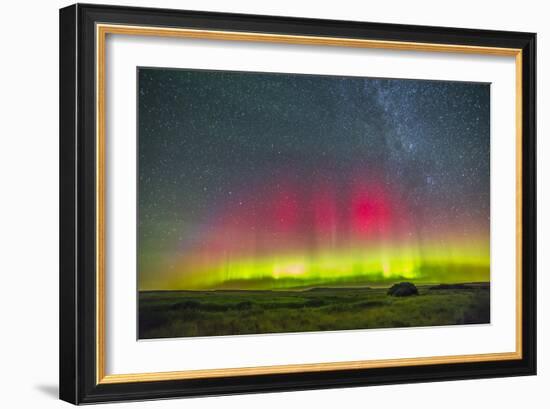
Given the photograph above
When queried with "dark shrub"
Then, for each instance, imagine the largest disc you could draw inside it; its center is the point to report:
(187, 305)
(273, 305)
(314, 303)
(403, 290)
(213, 307)
(243, 305)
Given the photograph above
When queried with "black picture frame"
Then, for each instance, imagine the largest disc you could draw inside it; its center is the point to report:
(78, 317)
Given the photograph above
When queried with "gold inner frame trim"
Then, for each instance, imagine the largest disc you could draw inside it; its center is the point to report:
(101, 33)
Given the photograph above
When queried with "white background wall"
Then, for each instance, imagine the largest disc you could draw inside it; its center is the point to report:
(29, 202)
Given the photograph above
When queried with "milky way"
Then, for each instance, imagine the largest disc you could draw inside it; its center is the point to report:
(260, 180)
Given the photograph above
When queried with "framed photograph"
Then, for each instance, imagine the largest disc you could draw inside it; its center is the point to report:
(256, 203)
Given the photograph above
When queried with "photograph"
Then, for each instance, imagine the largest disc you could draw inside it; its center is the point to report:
(256, 202)
(286, 203)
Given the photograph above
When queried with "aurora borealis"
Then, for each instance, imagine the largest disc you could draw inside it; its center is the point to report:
(277, 181)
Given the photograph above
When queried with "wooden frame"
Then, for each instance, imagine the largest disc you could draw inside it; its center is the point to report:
(83, 29)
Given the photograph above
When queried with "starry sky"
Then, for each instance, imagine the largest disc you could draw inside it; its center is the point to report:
(277, 181)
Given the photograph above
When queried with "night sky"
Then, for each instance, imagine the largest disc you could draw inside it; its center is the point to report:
(271, 181)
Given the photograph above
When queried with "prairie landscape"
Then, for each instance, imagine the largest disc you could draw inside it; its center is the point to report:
(167, 314)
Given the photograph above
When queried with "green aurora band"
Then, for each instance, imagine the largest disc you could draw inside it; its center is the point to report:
(359, 267)
(260, 181)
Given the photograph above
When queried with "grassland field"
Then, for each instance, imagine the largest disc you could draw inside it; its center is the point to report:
(166, 314)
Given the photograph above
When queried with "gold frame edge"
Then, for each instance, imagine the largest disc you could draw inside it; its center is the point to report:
(101, 32)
